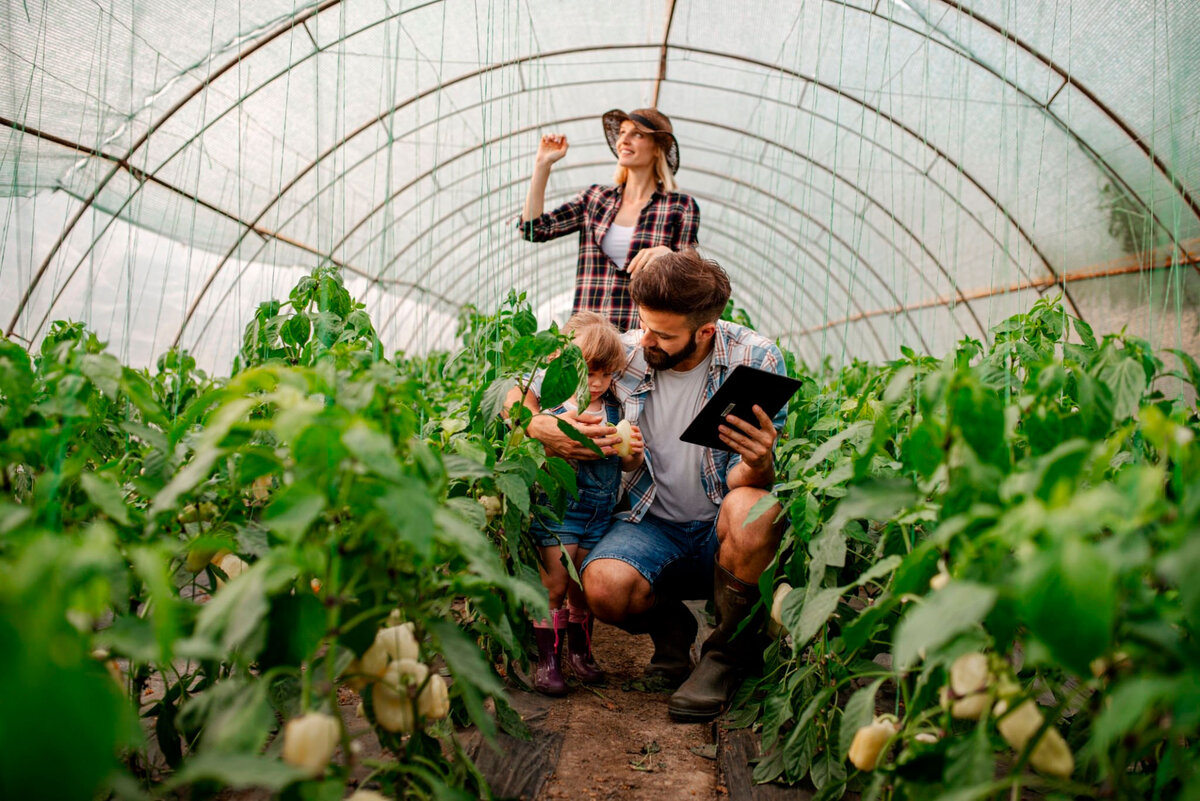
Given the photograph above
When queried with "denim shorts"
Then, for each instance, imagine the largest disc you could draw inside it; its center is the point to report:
(676, 558)
(585, 521)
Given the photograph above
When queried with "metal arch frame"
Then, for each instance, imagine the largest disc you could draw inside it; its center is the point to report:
(853, 250)
(788, 276)
(300, 19)
(441, 85)
(561, 283)
(859, 191)
(707, 197)
(726, 204)
(1091, 96)
(836, 176)
(485, 257)
(150, 130)
(517, 61)
(461, 154)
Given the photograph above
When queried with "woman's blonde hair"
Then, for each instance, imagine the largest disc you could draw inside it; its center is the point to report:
(598, 339)
(662, 172)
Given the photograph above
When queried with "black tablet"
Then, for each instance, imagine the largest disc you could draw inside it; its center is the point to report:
(743, 389)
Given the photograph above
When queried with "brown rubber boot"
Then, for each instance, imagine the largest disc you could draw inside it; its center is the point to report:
(723, 660)
(672, 627)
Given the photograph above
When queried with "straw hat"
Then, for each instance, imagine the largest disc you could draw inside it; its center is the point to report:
(650, 120)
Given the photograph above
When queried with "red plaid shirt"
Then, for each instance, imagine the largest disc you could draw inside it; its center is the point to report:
(670, 219)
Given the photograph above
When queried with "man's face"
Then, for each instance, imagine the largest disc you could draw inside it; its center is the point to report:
(669, 339)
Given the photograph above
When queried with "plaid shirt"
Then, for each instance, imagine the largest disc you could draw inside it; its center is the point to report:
(733, 345)
(670, 219)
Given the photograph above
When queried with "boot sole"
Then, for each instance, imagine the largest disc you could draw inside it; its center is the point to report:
(693, 715)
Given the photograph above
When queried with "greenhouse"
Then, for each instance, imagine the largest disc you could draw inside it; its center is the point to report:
(884, 313)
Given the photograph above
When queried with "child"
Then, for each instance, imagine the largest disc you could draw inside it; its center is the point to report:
(586, 518)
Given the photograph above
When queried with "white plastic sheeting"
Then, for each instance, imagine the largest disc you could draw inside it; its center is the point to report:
(872, 174)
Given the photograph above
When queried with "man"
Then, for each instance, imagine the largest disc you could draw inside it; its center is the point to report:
(686, 534)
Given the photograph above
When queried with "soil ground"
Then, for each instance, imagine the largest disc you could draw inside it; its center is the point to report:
(619, 743)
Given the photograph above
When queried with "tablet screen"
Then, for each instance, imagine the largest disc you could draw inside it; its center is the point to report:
(743, 389)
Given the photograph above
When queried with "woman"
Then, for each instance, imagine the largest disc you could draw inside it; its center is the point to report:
(621, 227)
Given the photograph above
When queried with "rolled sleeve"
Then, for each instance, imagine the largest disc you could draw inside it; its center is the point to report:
(566, 219)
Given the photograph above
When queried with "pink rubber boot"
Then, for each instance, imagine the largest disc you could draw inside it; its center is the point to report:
(547, 674)
(579, 646)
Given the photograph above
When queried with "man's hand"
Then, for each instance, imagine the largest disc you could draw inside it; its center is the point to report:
(755, 446)
(544, 428)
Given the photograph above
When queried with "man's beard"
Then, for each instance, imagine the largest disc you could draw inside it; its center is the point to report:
(659, 359)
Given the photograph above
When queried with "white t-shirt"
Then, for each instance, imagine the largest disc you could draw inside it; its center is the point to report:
(615, 243)
(678, 490)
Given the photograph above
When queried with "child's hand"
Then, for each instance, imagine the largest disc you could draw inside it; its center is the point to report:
(637, 450)
(636, 443)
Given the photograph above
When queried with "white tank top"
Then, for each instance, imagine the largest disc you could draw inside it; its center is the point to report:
(615, 243)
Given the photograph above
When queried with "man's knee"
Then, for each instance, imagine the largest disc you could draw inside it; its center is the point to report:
(615, 589)
(746, 545)
(735, 520)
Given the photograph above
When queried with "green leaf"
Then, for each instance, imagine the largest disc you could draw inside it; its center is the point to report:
(1086, 336)
(760, 508)
(827, 773)
(293, 509)
(464, 657)
(104, 371)
(494, 397)
(1127, 380)
(969, 761)
(514, 489)
(859, 712)
(374, 449)
(1126, 706)
(814, 612)
(561, 380)
(835, 442)
(1189, 364)
(296, 330)
(878, 570)
(106, 495)
(939, 618)
(575, 434)
(235, 771)
(1069, 602)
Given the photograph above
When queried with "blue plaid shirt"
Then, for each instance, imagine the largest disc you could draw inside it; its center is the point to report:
(733, 345)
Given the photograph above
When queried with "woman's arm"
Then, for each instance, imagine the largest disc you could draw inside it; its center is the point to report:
(552, 148)
(689, 225)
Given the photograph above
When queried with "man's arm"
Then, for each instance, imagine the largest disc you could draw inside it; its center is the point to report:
(544, 428)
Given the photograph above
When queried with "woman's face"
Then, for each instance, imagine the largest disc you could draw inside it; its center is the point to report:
(635, 148)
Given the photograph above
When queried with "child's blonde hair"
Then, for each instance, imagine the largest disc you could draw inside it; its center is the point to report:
(599, 341)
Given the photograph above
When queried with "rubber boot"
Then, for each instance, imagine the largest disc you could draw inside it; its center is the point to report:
(672, 627)
(579, 647)
(547, 674)
(723, 661)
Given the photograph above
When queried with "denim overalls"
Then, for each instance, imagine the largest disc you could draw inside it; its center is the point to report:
(587, 517)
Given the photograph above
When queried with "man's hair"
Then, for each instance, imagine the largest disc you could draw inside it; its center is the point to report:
(598, 339)
(682, 283)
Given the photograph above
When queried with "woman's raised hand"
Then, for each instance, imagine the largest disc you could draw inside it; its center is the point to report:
(552, 148)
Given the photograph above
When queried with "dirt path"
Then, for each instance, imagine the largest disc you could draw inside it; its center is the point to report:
(618, 742)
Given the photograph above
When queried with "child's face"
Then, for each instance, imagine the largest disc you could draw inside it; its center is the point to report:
(598, 382)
